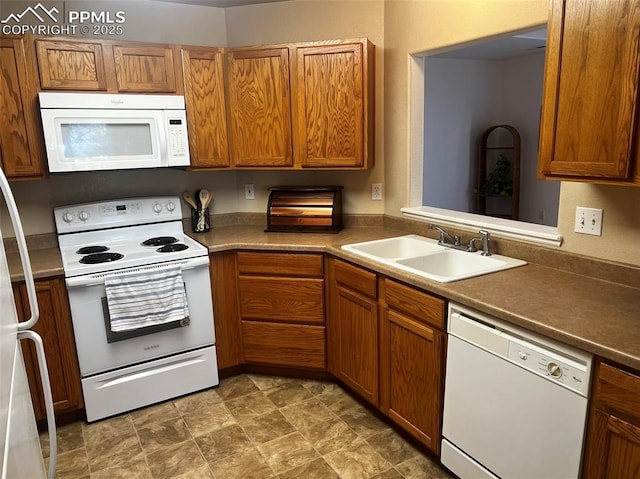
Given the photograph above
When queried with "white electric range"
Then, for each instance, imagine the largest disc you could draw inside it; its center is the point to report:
(134, 368)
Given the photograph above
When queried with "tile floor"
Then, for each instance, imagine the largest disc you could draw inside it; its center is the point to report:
(249, 427)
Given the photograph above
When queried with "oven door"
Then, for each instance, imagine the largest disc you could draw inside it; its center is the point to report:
(99, 352)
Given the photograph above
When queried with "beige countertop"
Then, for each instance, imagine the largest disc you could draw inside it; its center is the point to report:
(594, 315)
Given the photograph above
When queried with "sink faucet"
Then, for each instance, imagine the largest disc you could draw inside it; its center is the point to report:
(485, 237)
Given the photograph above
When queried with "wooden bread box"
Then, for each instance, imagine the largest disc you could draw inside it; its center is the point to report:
(305, 209)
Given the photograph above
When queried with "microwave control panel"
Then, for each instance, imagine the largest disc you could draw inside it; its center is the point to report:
(177, 137)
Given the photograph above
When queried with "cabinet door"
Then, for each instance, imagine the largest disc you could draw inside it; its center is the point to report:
(590, 93)
(225, 305)
(357, 324)
(20, 146)
(330, 98)
(412, 355)
(56, 330)
(615, 452)
(259, 107)
(71, 65)
(205, 102)
(613, 440)
(145, 68)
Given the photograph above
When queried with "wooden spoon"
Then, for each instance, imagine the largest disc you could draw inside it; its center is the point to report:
(205, 197)
(189, 199)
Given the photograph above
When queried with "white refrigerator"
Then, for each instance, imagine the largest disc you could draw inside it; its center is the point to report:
(21, 454)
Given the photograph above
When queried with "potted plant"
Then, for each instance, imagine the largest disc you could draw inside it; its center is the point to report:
(499, 181)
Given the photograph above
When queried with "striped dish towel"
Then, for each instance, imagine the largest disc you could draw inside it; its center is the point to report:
(146, 298)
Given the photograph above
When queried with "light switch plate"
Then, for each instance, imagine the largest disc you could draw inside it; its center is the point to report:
(588, 221)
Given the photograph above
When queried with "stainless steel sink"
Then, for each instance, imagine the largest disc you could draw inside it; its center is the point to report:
(424, 257)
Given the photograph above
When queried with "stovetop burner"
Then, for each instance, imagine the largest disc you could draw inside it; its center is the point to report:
(92, 249)
(100, 258)
(171, 248)
(159, 241)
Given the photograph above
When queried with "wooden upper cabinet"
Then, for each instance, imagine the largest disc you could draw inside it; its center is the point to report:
(71, 65)
(129, 67)
(206, 114)
(20, 145)
(333, 105)
(259, 107)
(589, 124)
(145, 68)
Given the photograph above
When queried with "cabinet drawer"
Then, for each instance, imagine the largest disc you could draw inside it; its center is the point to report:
(617, 390)
(284, 344)
(355, 278)
(299, 300)
(280, 264)
(421, 306)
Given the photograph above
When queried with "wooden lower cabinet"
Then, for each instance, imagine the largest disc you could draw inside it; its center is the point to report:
(56, 330)
(353, 325)
(613, 441)
(281, 307)
(386, 341)
(226, 318)
(291, 345)
(411, 361)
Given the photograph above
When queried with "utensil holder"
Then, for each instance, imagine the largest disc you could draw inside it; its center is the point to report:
(200, 221)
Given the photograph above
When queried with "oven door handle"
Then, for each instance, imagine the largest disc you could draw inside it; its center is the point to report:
(98, 279)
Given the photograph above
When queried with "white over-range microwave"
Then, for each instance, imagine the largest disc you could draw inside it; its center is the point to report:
(89, 131)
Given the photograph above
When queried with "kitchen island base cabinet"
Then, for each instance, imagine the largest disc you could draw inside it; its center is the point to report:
(353, 333)
(56, 330)
(613, 442)
(411, 361)
(281, 307)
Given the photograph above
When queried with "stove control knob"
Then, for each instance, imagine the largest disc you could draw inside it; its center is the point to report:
(83, 215)
(157, 208)
(171, 206)
(554, 370)
(68, 217)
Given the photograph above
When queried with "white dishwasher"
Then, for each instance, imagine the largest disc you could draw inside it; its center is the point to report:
(515, 403)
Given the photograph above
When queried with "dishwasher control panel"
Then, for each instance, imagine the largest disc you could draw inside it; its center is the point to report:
(545, 363)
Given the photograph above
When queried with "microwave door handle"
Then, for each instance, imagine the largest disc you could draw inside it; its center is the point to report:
(161, 118)
(24, 253)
